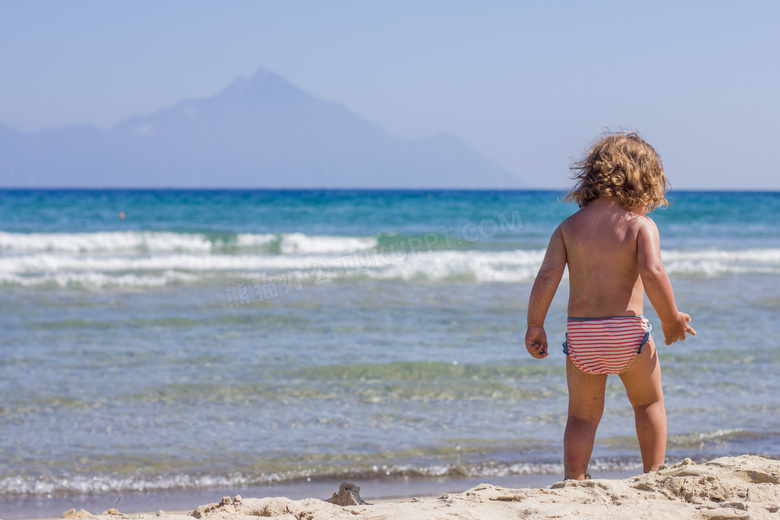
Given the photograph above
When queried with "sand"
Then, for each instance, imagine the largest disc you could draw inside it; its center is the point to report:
(725, 488)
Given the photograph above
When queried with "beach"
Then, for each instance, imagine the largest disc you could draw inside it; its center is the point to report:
(279, 342)
(725, 488)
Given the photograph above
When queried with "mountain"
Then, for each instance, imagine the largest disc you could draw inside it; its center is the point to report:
(259, 132)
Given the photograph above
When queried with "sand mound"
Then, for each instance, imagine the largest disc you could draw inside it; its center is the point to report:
(726, 488)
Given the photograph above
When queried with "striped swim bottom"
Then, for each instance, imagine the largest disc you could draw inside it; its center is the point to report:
(605, 345)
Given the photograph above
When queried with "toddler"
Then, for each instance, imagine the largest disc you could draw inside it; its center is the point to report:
(613, 254)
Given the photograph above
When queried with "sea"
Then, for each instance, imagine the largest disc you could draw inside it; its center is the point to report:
(163, 348)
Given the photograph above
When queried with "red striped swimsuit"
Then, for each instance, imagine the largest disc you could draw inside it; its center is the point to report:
(605, 345)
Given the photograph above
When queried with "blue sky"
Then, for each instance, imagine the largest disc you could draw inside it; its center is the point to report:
(528, 84)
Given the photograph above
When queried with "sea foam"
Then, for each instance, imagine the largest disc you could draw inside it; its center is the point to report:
(156, 259)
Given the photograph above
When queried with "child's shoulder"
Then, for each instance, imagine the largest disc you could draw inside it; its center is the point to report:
(644, 222)
(646, 226)
(566, 224)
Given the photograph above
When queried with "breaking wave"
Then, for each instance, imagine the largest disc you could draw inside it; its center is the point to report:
(147, 259)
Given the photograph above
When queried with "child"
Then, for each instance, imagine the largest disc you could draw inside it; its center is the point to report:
(612, 250)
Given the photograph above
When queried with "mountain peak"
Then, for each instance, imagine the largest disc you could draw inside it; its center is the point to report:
(262, 84)
(260, 131)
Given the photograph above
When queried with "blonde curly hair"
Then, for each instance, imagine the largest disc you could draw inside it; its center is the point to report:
(621, 165)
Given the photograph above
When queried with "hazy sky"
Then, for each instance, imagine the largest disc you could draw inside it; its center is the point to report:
(528, 84)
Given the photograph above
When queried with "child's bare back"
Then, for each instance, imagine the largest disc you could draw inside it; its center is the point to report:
(601, 253)
(613, 254)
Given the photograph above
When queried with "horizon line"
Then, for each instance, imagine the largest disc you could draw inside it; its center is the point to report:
(218, 188)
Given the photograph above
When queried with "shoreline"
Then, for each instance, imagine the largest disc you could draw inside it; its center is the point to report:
(184, 500)
(746, 486)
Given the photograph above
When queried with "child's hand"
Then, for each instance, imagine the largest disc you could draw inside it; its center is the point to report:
(677, 330)
(536, 342)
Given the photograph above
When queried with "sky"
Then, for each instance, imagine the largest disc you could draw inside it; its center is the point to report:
(528, 84)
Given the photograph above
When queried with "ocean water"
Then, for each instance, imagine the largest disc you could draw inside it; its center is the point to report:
(220, 340)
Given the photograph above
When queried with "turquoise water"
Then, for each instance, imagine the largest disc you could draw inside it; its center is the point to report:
(223, 339)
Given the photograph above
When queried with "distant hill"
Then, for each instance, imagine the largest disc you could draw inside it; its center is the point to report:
(259, 132)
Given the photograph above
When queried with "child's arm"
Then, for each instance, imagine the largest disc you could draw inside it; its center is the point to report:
(542, 294)
(657, 285)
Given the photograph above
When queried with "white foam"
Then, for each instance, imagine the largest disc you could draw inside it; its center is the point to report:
(763, 256)
(98, 280)
(293, 243)
(163, 241)
(51, 263)
(714, 262)
(254, 240)
(80, 484)
(33, 262)
(109, 241)
(481, 266)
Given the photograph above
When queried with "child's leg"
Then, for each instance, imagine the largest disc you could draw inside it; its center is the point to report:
(643, 387)
(586, 404)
